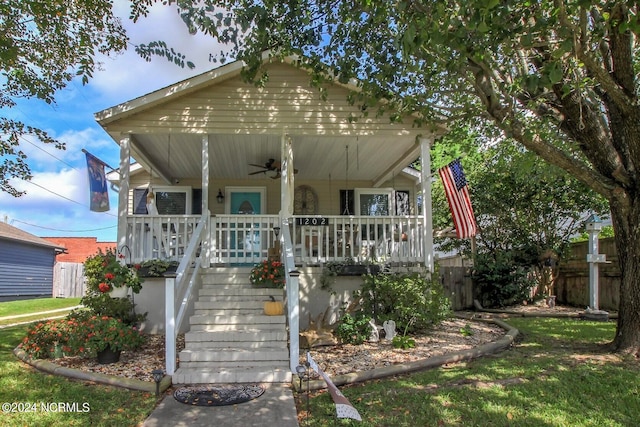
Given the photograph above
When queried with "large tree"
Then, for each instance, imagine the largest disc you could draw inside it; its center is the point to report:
(44, 44)
(521, 203)
(558, 76)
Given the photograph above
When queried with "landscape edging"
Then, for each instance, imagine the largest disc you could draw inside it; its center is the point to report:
(423, 364)
(129, 383)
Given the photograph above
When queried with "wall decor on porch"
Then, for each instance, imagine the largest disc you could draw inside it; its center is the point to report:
(305, 200)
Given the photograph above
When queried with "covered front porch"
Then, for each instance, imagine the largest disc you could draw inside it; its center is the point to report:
(226, 170)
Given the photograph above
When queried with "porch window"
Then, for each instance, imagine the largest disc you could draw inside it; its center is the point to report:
(374, 201)
(169, 200)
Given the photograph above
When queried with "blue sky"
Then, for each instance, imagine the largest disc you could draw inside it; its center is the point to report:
(57, 199)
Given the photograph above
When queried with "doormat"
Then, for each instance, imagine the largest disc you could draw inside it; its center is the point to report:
(218, 395)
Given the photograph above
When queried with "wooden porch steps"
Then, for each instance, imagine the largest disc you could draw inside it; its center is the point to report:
(230, 338)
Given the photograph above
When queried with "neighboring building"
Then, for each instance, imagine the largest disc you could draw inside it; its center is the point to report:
(68, 276)
(26, 264)
(78, 249)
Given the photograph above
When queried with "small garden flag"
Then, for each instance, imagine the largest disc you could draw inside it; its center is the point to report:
(98, 194)
(457, 192)
(344, 409)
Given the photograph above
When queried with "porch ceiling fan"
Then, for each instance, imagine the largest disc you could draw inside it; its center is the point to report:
(270, 166)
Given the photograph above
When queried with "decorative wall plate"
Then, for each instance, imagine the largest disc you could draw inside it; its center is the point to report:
(305, 201)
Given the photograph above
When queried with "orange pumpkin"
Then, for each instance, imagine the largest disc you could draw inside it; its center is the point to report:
(273, 307)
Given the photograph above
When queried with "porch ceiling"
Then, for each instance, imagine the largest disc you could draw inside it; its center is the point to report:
(370, 158)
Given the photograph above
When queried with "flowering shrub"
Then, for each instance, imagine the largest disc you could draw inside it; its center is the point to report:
(45, 339)
(80, 334)
(106, 270)
(268, 274)
(97, 333)
(103, 272)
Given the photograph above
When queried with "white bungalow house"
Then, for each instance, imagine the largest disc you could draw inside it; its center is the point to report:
(231, 167)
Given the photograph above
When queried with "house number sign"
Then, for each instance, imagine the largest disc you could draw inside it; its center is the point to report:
(313, 221)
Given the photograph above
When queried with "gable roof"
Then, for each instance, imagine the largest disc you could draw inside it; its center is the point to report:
(246, 123)
(9, 232)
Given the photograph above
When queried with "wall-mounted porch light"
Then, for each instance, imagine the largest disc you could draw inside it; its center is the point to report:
(220, 196)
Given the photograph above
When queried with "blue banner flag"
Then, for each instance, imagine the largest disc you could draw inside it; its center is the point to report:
(98, 193)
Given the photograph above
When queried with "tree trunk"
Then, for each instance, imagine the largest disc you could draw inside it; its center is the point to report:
(626, 222)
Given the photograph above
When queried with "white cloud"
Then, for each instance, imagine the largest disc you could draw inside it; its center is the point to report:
(46, 157)
(58, 204)
(127, 75)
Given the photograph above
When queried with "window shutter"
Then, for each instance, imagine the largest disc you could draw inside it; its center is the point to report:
(140, 201)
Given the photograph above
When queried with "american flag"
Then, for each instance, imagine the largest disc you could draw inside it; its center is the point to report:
(457, 192)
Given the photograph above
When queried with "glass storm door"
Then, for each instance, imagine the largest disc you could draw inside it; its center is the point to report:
(246, 242)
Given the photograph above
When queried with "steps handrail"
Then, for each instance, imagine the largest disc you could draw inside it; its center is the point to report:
(178, 288)
(292, 288)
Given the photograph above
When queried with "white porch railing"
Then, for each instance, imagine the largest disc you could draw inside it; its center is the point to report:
(159, 236)
(361, 238)
(246, 239)
(179, 290)
(242, 239)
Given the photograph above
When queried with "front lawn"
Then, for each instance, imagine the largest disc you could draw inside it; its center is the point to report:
(27, 395)
(559, 374)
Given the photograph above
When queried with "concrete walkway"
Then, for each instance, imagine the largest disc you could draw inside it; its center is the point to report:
(275, 408)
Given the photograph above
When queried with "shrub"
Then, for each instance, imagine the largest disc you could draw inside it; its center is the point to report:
(81, 333)
(97, 333)
(412, 300)
(46, 339)
(404, 342)
(106, 268)
(103, 272)
(500, 280)
(353, 329)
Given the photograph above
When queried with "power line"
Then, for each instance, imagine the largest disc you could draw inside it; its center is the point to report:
(66, 198)
(64, 231)
(45, 151)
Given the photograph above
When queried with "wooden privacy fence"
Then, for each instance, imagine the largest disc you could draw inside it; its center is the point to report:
(458, 286)
(572, 285)
(68, 280)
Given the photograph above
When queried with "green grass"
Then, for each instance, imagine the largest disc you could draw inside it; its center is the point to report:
(14, 308)
(98, 405)
(22, 307)
(559, 374)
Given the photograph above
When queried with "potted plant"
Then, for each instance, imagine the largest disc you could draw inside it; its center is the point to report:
(105, 337)
(104, 273)
(268, 274)
(156, 267)
(348, 267)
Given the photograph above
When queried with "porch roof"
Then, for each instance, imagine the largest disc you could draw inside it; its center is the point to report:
(245, 124)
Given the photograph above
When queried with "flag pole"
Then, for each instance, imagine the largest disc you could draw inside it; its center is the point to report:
(86, 152)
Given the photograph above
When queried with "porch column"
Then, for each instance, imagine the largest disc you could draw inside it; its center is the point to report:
(286, 183)
(427, 209)
(206, 248)
(123, 193)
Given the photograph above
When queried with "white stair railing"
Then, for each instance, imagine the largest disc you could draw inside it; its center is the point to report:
(293, 292)
(178, 291)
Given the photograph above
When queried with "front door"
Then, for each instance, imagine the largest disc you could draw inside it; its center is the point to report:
(246, 242)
